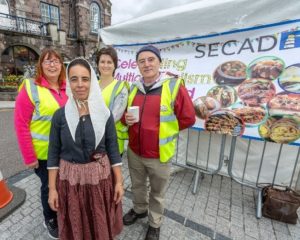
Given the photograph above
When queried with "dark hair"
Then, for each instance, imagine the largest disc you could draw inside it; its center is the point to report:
(49, 53)
(81, 62)
(110, 52)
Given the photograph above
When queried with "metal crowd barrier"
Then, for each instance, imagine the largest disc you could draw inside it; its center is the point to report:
(252, 163)
(262, 163)
(203, 153)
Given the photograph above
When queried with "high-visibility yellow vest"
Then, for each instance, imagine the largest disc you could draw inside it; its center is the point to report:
(44, 107)
(168, 126)
(109, 94)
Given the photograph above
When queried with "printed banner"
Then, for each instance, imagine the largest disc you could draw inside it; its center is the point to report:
(243, 82)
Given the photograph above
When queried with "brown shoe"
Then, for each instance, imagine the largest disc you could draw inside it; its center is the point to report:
(152, 233)
(131, 217)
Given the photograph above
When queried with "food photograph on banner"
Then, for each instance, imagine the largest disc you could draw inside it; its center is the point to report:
(245, 82)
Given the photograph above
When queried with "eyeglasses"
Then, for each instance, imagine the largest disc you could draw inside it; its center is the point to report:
(48, 62)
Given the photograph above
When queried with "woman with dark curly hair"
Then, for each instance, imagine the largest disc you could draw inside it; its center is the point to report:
(115, 92)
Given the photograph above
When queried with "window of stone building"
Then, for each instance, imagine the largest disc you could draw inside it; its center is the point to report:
(4, 7)
(16, 59)
(50, 13)
(95, 17)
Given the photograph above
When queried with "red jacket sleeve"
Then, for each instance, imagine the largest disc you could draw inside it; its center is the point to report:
(123, 121)
(22, 118)
(184, 109)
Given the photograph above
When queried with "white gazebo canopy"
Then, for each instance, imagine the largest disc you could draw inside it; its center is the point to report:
(200, 19)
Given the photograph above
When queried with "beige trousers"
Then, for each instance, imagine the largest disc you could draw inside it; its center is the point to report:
(158, 173)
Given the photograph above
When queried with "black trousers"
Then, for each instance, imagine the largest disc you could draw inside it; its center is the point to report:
(42, 173)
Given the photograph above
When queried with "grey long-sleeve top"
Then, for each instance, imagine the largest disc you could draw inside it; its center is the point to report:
(62, 146)
(120, 104)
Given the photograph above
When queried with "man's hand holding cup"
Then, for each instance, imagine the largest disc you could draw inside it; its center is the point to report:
(133, 115)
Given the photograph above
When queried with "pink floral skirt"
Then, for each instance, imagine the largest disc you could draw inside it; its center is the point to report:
(86, 207)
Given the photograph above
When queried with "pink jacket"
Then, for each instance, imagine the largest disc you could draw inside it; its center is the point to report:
(23, 113)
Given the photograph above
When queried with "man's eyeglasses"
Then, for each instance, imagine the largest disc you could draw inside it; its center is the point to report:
(48, 62)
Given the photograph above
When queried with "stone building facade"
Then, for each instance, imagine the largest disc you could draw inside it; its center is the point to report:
(69, 26)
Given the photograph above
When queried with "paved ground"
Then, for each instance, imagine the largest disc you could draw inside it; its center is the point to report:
(7, 104)
(10, 158)
(221, 209)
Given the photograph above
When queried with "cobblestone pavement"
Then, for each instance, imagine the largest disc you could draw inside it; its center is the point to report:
(221, 209)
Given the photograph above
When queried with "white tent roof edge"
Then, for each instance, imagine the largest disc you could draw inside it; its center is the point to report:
(199, 19)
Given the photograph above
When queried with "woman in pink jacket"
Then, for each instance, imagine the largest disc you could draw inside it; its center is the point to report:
(36, 103)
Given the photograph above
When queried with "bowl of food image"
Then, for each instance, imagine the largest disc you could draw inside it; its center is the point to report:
(256, 91)
(268, 67)
(230, 73)
(205, 105)
(225, 122)
(290, 79)
(252, 116)
(284, 103)
(225, 95)
(280, 129)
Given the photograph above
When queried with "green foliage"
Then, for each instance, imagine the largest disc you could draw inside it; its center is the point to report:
(13, 78)
(10, 83)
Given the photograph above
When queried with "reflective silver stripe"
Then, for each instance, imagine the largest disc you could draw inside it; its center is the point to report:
(113, 95)
(168, 139)
(39, 137)
(132, 87)
(41, 118)
(172, 84)
(169, 118)
(35, 96)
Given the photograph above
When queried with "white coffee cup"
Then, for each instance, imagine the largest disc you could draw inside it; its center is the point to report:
(135, 111)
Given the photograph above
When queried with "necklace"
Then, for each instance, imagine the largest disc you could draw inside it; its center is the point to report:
(82, 103)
